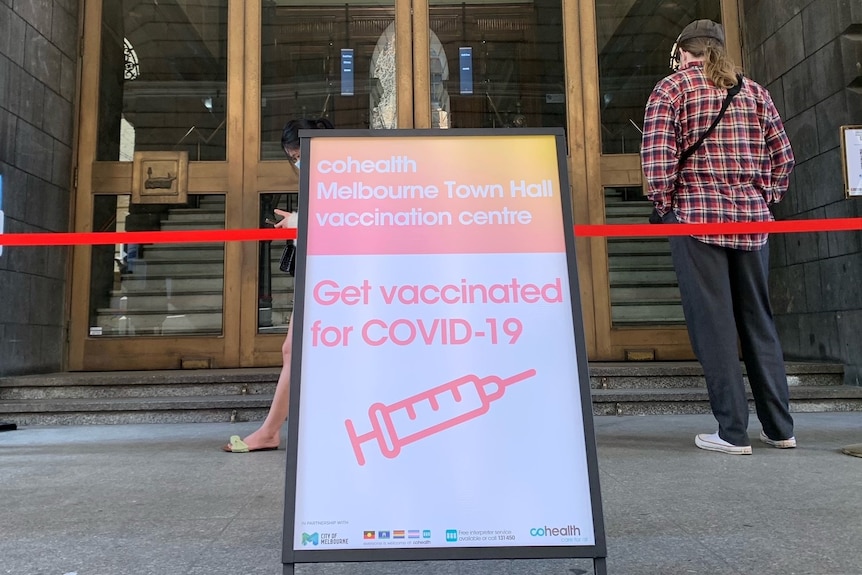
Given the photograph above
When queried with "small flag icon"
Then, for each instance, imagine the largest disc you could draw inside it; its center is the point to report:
(398, 534)
(383, 535)
(368, 534)
(413, 534)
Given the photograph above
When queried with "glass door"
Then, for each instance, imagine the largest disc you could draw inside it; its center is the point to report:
(638, 313)
(159, 149)
(182, 106)
(197, 92)
(378, 65)
(345, 62)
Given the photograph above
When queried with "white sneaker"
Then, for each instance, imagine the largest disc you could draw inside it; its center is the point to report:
(778, 443)
(712, 442)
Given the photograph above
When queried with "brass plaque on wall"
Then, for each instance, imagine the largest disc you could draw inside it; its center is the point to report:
(160, 178)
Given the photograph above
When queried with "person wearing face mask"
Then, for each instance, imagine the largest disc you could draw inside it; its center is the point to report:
(715, 151)
(268, 436)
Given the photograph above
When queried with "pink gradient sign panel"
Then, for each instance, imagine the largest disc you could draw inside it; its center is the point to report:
(446, 195)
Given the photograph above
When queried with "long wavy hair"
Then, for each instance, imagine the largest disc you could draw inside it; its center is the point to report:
(717, 65)
(290, 134)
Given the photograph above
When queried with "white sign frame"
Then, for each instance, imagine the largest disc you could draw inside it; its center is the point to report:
(851, 160)
(331, 542)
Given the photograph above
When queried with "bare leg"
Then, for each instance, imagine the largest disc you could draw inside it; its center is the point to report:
(269, 432)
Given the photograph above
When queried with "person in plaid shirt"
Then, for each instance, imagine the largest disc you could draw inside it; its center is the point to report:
(740, 170)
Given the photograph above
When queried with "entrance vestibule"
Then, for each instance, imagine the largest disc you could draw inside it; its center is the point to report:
(214, 81)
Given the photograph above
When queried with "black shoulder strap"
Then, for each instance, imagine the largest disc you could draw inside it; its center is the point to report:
(731, 92)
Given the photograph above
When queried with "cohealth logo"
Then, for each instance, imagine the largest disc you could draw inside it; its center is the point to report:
(567, 531)
(312, 539)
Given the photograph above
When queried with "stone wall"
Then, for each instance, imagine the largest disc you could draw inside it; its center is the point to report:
(808, 53)
(38, 73)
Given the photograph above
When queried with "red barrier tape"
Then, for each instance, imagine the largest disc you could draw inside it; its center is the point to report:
(187, 237)
(661, 230)
(583, 231)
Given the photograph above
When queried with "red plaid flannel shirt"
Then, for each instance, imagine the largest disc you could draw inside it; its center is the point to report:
(739, 170)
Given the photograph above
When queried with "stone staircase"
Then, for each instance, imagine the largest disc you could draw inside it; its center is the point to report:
(244, 394)
(643, 285)
(177, 289)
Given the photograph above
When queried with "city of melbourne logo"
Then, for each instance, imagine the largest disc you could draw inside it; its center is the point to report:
(324, 539)
(311, 538)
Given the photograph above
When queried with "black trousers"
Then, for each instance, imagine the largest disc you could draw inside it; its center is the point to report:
(725, 297)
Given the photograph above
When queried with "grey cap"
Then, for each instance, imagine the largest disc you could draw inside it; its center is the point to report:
(702, 29)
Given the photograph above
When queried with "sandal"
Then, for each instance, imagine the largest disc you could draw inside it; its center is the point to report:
(237, 445)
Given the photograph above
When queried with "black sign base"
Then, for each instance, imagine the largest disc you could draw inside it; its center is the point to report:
(7, 426)
(600, 567)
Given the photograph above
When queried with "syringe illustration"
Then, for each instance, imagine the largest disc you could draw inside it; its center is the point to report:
(430, 412)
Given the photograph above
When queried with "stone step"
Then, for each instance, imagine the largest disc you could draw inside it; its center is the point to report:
(128, 323)
(195, 215)
(639, 313)
(203, 266)
(644, 294)
(803, 399)
(175, 409)
(642, 262)
(129, 411)
(165, 377)
(138, 397)
(634, 278)
(166, 383)
(179, 282)
(183, 282)
(627, 209)
(178, 226)
(63, 391)
(245, 394)
(687, 374)
(183, 246)
(185, 252)
(157, 322)
(180, 301)
(630, 219)
(177, 301)
(631, 247)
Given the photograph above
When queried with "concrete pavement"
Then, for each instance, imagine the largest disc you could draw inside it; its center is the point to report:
(162, 499)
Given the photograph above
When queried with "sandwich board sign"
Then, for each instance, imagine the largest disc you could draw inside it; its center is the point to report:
(440, 403)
